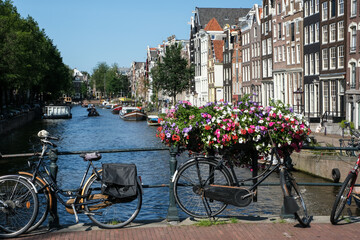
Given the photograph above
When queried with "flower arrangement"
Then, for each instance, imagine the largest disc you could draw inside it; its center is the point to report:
(229, 129)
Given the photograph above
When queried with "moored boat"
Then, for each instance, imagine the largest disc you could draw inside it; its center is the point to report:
(116, 110)
(57, 112)
(153, 120)
(132, 114)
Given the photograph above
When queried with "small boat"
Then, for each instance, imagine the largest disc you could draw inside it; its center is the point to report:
(116, 110)
(57, 112)
(92, 111)
(132, 114)
(153, 120)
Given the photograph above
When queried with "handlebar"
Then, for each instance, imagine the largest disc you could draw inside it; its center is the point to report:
(44, 137)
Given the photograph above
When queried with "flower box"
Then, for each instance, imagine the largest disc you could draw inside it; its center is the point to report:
(231, 129)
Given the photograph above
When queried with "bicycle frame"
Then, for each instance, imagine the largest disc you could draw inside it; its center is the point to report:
(50, 183)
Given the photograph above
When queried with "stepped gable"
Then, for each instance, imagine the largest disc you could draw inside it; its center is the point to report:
(213, 25)
(218, 50)
(223, 15)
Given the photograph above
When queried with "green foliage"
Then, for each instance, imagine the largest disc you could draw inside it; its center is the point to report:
(209, 222)
(29, 61)
(109, 80)
(343, 125)
(172, 74)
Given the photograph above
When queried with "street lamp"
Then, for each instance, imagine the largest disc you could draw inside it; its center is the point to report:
(298, 98)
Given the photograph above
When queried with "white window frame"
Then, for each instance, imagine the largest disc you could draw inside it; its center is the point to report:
(306, 65)
(340, 30)
(317, 32)
(353, 8)
(341, 57)
(325, 11)
(325, 58)
(311, 34)
(298, 54)
(332, 32)
(306, 35)
(311, 63)
(325, 34)
(317, 63)
(340, 7)
(332, 55)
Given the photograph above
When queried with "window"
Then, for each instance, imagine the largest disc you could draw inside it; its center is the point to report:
(311, 64)
(333, 32)
(317, 32)
(353, 75)
(269, 25)
(306, 9)
(311, 33)
(279, 31)
(324, 11)
(283, 53)
(292, 32)
(324, 34)
(353, 7)
(288, 55)
(341, 57)
(280, 54)
(340, 30)
(269, 67)
(311, 7)
(279, 9)
(325, 59)
(266, 28)
(332, 58)
(287, 29)
(340, 7)
(316, 6)
(317, 61)
(293, 55)
(306, 65)
(353, 39)
(275, 31)
(264, 47)
(269, 46)
(332, 8)
(275, 55)
(298, 53)
(306, 35)
(255, 31)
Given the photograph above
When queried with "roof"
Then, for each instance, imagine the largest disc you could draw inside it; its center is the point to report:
(223, 15)
(213, 25)
(218, 49)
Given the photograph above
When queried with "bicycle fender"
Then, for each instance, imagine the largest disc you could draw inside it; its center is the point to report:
(21, 177)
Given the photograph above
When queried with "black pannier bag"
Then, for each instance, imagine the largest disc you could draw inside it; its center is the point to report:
(119, 181)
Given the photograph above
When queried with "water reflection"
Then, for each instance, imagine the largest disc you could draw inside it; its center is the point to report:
(109, 132)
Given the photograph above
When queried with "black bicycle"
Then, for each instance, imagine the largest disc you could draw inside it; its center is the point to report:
(204, 186)
(25, 199)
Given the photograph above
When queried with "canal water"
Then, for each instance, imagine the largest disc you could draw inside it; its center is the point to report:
(108, 131)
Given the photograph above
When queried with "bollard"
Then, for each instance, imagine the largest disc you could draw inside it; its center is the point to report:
(172, 210)
(53, 216)
(341, 143)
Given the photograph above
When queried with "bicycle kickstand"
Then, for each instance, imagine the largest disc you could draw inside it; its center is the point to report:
(75, 213)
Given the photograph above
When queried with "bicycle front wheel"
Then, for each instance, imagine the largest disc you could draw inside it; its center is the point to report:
(18, 206)
(106, 212)
(44, 198)
(190, 181)
(342, 197)
(293, 191)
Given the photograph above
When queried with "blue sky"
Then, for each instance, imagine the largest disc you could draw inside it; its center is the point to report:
(87, 32)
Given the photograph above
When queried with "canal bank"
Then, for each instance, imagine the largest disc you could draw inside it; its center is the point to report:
(9, 124)
(269, 227)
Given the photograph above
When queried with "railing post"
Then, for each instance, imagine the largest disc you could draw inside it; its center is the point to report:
(53, 216)
(341, 143)
(254, 159)
(172, 210)
(289, 166)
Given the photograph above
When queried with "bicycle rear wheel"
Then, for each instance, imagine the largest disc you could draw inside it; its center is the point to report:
(342, 197)
(109, 213)
(18, 206)
(190, 181)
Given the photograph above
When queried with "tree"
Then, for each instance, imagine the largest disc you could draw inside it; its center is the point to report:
(172, 74)
(99, 77)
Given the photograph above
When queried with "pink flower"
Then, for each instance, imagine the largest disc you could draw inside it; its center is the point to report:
(271, 124)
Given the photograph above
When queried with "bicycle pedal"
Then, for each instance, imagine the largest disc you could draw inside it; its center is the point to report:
(75, 213)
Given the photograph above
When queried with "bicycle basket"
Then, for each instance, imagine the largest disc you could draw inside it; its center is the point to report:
(119, 181)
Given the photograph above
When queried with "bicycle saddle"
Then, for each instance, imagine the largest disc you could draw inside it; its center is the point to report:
(91, 156)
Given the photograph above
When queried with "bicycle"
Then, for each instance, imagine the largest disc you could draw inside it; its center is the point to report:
(345, 193)
(104, 210)
(354, 141)
(204, 186)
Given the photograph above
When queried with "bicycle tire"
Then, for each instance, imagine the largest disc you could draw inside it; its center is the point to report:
(109, 214)
(342, 197)
(44, 197)
(292, 190)
(187, 181)
(22, 206)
